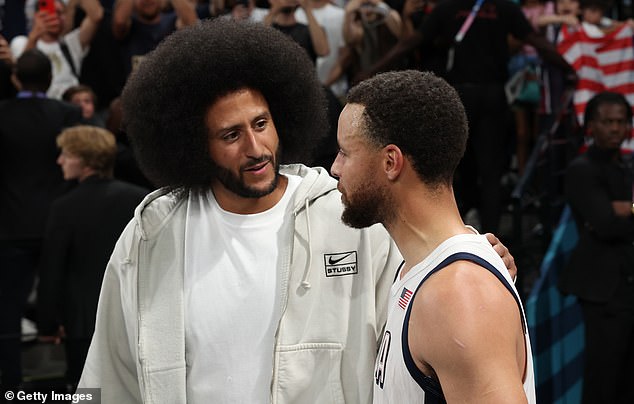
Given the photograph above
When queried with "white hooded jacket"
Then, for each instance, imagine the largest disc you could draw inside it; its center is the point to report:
(335, 282)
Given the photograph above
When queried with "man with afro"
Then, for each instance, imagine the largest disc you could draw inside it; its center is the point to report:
(236, 281)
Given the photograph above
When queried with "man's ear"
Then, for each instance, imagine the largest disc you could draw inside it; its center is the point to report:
(393, 161)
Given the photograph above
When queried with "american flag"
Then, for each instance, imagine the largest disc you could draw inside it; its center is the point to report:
(603, 62)
(406, 294)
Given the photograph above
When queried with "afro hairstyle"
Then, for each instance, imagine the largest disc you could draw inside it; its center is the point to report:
(166, 98)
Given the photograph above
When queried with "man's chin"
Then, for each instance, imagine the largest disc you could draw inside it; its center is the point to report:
(259, 192)
(355, 219)
(256, 191)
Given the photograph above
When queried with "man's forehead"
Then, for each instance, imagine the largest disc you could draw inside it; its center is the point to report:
(610, 108)
(351, 126)
(354, 113)
(236, 92)
(232, 108)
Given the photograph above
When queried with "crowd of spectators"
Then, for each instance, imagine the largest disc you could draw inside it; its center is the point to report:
(505, 67)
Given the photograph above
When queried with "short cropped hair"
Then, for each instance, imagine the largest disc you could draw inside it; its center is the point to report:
(80, 88)
(606, 97)
(165, 100)
(421, 114)
(97, 147)
(33, 69)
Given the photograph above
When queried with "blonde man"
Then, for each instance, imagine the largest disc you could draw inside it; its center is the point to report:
(82, 229)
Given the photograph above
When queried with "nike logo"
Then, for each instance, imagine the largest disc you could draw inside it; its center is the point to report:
(340, 264)
(332, 261)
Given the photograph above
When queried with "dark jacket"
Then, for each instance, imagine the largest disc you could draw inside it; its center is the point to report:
(603, 255)
(29, 176)
(82, 230)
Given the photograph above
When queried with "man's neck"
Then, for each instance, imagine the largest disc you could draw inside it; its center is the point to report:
(424, 219)
(234, 203)
(613, 155)
(87, 172)
(50, 38)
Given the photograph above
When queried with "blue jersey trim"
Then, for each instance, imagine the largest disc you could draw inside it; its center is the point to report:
(431, 386)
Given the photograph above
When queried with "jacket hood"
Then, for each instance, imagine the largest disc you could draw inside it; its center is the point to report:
(315, 183)
(157, 207)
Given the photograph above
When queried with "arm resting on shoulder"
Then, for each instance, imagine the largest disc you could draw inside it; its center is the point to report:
(504, 253)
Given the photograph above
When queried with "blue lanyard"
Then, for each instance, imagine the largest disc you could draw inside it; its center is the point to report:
(31, 94)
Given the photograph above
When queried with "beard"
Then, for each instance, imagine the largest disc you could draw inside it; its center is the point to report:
(237, 185)
(372, 204)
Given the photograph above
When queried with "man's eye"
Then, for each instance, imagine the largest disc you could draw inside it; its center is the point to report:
(231, 136)
(261, 124)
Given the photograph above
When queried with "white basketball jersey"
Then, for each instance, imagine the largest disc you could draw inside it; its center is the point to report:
(397, 379)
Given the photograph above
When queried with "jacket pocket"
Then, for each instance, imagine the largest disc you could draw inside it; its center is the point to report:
(308, 373)
(166, 386)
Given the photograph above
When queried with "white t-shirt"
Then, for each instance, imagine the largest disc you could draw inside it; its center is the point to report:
(232, 299)
(331, 18)
(63, 76)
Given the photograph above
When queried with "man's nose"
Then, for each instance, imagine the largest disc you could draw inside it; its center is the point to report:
(253, 144)
(334, 169)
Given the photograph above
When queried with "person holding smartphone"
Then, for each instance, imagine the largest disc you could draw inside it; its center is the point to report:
(66, 51)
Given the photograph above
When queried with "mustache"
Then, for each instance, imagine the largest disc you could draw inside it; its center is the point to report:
(254, 162)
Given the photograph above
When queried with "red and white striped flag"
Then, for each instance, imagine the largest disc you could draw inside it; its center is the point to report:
(603, 62)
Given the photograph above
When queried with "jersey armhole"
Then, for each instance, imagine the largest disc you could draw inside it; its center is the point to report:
(430, 385)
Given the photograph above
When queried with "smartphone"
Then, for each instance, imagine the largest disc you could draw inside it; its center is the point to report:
(46, 5)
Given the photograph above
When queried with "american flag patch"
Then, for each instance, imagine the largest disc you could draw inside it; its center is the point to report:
(406, 294)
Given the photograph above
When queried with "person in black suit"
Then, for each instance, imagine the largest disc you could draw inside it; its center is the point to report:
(82, 229)
(598, 187)
(29, 181)
(7, 89)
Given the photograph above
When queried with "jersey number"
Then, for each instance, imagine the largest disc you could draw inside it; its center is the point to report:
(381, 360)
